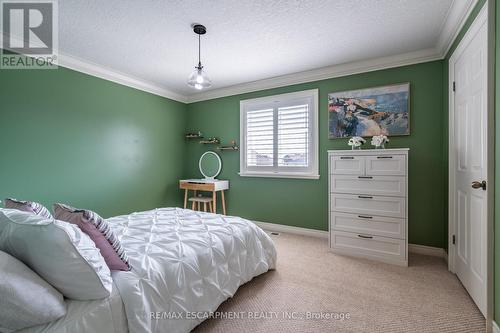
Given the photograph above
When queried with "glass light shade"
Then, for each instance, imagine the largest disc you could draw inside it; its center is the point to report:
(199, 79)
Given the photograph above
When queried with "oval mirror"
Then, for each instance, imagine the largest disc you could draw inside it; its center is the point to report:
(210, 165)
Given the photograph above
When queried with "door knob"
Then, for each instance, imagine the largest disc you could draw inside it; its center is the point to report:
(477, 185)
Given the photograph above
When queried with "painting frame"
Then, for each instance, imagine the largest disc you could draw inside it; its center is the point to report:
(401, 119)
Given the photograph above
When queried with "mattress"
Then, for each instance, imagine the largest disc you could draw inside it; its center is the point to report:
(185, 264)
(104, 315)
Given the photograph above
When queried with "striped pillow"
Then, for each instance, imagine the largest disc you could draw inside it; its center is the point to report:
(99, 231)
(28, 206)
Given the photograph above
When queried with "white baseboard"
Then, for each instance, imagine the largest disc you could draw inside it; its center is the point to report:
(428, 250)
(292, 230)
(413, 248)
(495, 328)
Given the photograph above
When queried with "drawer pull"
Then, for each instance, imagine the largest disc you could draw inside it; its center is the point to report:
(365, 237)
(365, 177)
(365, 217)
(384, 156)
(364, 197)
(346, 157)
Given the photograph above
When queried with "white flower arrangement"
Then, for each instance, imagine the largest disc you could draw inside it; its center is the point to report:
(356, 141)
(379, 141)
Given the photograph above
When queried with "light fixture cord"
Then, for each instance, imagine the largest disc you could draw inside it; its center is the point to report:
(199, 51)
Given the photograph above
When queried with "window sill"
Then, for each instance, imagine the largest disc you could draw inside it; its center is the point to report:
(279, 175)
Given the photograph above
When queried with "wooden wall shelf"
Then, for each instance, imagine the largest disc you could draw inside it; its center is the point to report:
(194, 135)
(232, 147)
(228, 148)
(213, 141)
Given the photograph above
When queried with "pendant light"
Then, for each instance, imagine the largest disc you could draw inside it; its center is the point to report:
(198, 78)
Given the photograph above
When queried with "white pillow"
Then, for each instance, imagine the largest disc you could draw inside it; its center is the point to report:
(59, 252)
(25, 298)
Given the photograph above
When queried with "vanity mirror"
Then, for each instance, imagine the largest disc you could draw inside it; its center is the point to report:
(210, 165)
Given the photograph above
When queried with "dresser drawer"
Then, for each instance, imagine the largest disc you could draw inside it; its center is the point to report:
(384, 248)
(368, 205)
(347, 165)
(386, 165)
(377, 185)
(371, 225)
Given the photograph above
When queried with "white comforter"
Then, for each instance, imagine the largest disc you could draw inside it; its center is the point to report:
(185, 264)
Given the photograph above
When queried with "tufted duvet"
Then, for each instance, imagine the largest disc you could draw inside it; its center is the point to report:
(185, 264)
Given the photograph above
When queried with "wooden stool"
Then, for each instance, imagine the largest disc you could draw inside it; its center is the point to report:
(204, 185)
(198, 200)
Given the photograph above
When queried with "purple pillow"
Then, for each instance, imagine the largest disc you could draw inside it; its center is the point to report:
(99, 231)
(28, 206)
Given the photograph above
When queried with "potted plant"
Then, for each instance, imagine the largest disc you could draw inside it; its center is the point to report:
(379, 141)
(356, 142)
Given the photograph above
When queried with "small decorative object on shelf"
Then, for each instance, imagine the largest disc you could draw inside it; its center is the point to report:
(379, 141)
(194, 135)
(233, 146)
(213, 140)
(356, 142)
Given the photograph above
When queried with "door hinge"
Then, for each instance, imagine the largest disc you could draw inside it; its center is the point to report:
(454, 86)
(453, 239)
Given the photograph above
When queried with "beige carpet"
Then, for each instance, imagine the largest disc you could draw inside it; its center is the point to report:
(424, 297)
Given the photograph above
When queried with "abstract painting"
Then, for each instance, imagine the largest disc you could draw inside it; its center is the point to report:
(367, 112)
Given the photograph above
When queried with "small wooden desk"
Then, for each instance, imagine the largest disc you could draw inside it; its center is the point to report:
(209, 185)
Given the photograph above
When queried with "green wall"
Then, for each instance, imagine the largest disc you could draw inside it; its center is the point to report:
(78, 139)
(304, 203)
(74, 138)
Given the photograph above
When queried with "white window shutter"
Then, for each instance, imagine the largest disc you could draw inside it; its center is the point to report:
(279, 136)
(293, 136)
(260, 137)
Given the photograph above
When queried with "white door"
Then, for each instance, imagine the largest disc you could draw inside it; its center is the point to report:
(468, 167)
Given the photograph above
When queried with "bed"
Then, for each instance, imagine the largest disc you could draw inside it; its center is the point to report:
(185, 264)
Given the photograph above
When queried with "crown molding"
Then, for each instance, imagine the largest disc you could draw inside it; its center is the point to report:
(456, 17)
(321, 74)
(92, 69)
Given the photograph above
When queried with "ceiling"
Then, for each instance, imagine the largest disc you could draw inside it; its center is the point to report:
(150, 44)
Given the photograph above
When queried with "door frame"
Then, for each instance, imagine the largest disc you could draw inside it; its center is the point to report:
(485, 16)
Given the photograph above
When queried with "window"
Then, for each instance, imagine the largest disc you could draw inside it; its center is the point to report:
(279, 136)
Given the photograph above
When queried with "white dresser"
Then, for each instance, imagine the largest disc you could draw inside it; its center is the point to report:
(368, 203)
